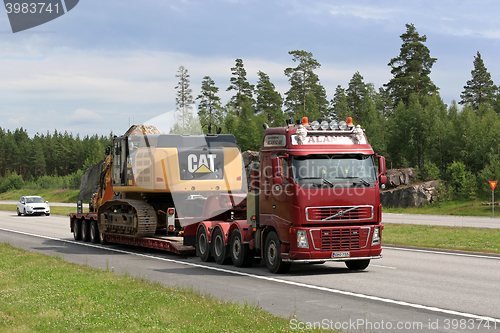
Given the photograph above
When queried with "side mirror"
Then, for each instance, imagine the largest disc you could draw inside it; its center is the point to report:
(276, 166)
(381, 165)
(383, 179)
(277, 180)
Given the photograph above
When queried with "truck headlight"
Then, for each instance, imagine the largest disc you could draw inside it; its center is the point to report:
(302, 239)
(376, 236)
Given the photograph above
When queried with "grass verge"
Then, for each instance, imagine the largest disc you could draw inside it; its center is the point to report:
(56, 210)
(47, 294)
(450, 238)
(54, 195)
(455, 207)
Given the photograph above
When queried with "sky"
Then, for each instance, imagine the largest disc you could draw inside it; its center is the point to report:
(109, 63)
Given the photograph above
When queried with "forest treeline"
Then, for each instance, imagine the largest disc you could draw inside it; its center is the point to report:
(405, 120)
(47, 160)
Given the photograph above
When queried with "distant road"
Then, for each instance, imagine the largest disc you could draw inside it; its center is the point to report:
(443, 220)
(61, 204)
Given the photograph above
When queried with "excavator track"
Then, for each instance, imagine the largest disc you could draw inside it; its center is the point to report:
(127, 217)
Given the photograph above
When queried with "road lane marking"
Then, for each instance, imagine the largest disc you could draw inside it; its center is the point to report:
(272, 279)
(383, 266)
(442, 252)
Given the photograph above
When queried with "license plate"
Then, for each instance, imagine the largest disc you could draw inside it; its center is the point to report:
(341, 254)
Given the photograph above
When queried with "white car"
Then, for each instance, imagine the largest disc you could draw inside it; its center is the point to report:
(33, 205)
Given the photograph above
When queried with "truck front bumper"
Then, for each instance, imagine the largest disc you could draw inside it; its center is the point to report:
(332, 259)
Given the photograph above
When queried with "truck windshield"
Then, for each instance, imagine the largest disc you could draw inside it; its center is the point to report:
(331, 169)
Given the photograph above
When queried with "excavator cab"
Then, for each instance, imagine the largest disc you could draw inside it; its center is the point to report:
(119, 161)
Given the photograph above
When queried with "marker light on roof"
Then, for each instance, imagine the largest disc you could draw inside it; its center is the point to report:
(334, 124)
(343, 125)
(324, 125)
(315, 125)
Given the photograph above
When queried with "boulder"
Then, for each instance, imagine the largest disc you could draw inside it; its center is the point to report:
(398, 177)
(90, 180)
(410, 196)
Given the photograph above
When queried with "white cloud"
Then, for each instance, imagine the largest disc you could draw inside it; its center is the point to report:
(86, 115)
(17, 121)
(364, 12)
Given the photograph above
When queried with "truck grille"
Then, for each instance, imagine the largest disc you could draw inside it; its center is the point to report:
(340, 239)
(339, 213)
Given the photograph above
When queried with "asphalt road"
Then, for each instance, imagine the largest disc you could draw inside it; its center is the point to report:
(444, 220)
(425, 291)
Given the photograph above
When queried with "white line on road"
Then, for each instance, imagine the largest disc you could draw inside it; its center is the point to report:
(442, 252)
(383, 266)
(267, 278)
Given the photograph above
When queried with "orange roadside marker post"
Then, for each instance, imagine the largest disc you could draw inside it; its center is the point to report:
(493, 184)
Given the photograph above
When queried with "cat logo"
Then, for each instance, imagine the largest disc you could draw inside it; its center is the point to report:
(204, 163)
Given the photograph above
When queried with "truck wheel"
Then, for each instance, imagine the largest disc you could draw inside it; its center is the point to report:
(94, 232)
(77, 229)
(272, 255)
(103, 240)
(241, 255)
(219, 249)
(85, 230)
(357, 265)
(202, 246)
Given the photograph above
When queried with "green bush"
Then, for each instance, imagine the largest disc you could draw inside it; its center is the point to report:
(490, 172)
(429, 172)
(11, 182)
(462, 183)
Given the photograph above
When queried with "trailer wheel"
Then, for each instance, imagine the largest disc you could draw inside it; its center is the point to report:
(77, 229)
(94, 232)
(219, 249)
(103, 240)
(202, 246)
(85, 230)
(357, 265)
(272, 255)
(241, 255)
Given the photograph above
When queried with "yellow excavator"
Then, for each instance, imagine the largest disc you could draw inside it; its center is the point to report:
(148, 174)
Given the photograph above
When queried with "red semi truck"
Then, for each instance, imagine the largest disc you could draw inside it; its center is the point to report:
(313, 198)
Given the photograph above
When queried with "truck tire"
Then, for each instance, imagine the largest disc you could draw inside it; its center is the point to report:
(272, 255)
(94, 232)
(86, 230)
(241, 255)
(357, 265)
(202, 246)
(77, 229)
(219, 249)
(103, 240)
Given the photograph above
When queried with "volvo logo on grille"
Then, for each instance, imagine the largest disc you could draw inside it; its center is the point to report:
(340, 213)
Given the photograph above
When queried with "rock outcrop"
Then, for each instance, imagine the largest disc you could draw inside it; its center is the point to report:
(410, 196)
(90, 180)
(398, 177)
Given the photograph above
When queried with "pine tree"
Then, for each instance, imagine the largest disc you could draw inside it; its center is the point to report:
(209, 101)
(480, 89)
(184, 97)
(339, 105)
(239, 83)
(411, 68)
(306, 96)
(355, 93)
(269, 101)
